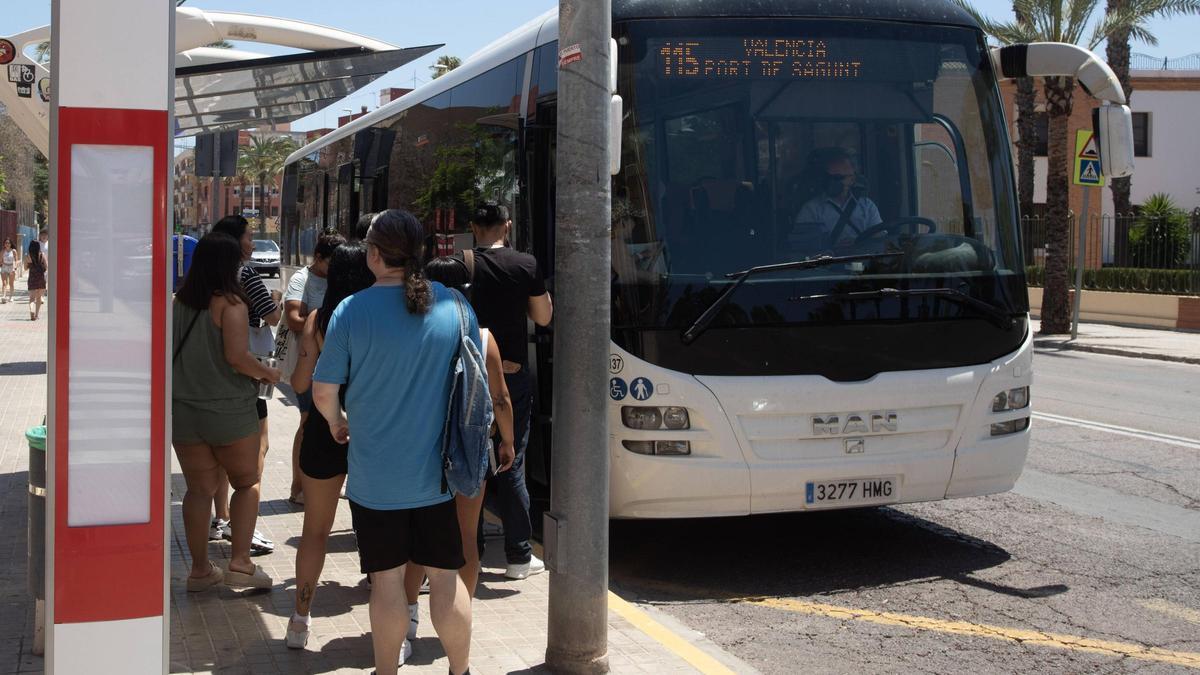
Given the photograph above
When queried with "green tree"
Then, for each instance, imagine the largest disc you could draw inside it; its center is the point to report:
(1160, 237)
(1026, 100)
(263, 160)
(1068, 21)
(41, 53)
(444, 64)
(41, 186)
(3, 187)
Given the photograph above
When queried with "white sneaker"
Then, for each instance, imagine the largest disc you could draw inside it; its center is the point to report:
(405, 652)
(217, 528)
(296, 639)
(520, 571)
(413, 621)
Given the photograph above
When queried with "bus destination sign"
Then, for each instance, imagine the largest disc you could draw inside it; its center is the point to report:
(756, 58)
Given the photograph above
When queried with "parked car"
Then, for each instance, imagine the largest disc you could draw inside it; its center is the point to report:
(265, 259)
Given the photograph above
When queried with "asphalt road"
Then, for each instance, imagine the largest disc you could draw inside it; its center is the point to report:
(1091, 564)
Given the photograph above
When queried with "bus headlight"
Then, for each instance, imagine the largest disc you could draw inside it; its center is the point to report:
(676, 418)
(1013, 399)
(651, 418)
(641, 417)
(1010, 427)
(658, 447)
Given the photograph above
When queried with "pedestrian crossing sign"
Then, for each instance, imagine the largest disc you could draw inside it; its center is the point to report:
(1087, 160)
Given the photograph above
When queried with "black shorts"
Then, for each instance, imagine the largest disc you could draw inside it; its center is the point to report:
(427, 536)
(321, 457)
(262, 408)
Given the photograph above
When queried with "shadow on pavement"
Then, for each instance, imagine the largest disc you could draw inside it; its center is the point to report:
(797, 554)
(23, 368)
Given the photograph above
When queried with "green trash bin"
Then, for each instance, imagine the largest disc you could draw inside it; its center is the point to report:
(36, 531)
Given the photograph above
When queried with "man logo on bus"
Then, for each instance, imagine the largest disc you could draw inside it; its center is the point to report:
(856, 423)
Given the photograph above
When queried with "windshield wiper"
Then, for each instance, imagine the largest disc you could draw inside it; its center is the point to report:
(702, 322)
(995, 314)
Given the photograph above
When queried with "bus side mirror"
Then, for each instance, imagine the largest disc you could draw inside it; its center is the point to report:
(1113, 125)
(616, 111)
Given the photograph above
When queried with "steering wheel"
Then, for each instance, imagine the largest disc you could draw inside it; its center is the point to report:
(894, 226)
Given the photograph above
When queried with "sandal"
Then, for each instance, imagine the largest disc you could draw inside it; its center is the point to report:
(214, 577)
(257, 579)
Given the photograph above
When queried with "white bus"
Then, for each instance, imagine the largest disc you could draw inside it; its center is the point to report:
(765, 356)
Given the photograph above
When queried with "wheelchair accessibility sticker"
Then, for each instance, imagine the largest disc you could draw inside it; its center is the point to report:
(617, 389)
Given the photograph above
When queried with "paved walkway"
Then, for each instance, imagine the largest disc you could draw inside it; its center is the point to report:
(1143, 343)
(230, 632)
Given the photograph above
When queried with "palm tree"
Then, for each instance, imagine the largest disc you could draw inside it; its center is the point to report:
(1026, 100)
(264, 160)
(41, 53)
(444, 64)
(1067, 21)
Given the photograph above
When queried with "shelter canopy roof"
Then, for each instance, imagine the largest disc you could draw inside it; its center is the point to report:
(277, 90)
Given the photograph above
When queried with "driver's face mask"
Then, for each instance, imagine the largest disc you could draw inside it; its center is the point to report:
(836, 184)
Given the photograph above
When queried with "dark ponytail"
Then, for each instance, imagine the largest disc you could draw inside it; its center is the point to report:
(398, 236)
(418, 292)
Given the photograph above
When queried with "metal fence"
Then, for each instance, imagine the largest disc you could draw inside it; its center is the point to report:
(1127, 253)
(1147, 62)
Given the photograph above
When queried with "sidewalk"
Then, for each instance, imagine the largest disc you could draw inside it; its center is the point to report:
(1142, 343)
(229, 632)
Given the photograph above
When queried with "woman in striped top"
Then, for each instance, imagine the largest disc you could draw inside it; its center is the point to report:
(264, 313)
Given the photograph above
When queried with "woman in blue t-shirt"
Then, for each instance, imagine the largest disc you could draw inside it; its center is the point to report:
(392, 345)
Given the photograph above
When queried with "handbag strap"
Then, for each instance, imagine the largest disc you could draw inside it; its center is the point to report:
(469, 261)
(186, 333)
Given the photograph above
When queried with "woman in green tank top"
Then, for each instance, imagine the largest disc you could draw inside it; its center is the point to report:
(214, 421)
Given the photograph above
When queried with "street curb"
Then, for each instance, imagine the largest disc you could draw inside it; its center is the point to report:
(1059, 345)
(676, 632)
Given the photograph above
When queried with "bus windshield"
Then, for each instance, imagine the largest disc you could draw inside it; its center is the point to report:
(757, 142)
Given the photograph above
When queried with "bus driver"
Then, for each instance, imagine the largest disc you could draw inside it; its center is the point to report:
(836, 213)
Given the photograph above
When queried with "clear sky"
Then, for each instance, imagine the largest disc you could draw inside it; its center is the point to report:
(467, 25)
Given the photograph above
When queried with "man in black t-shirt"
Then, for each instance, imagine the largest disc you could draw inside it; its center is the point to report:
(506, 289)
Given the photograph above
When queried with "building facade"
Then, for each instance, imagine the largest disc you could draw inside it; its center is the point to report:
(193, 195)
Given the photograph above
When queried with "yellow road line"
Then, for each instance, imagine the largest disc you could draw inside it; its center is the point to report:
(1033, 637)
(679, 646)
(1172, 609)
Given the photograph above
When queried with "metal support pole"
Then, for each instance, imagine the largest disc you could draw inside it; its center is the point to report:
(576, 528)
(1079, 262)
(214, 198)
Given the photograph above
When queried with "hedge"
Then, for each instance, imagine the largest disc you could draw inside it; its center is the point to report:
(1128, 280)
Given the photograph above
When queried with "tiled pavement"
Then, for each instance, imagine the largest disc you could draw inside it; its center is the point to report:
(22, 405)
(230, 632)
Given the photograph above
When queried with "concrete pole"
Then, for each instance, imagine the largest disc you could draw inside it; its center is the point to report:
(576, 529)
